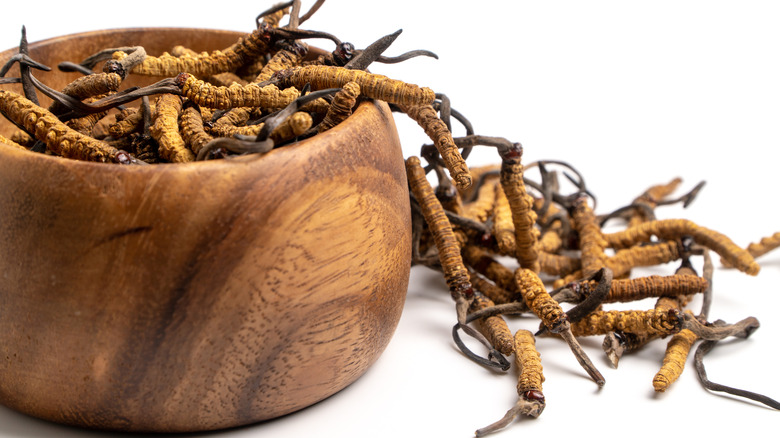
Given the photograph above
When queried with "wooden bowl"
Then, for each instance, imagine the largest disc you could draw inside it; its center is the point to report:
(200, 296)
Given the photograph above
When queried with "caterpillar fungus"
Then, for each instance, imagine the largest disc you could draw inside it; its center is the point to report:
(57, 136)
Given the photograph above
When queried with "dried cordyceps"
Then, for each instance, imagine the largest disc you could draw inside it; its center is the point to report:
(531, 400)
(57, 136)
(466, 227)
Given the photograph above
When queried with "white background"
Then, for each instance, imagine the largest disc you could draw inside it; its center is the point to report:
(633, 94)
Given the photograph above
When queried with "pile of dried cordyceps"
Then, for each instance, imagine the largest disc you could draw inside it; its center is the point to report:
(256, 95)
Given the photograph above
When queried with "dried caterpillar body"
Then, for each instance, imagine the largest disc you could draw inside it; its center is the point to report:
(192, 130)
(372, 85)
(677, 351)
(529, 363)
(757, 249)
(88, 86)
(22, 138)
(273, 19)
(495, 327)
(282, 60)
(165, 129)
(654, 286)
(531, 400)
(57, 136)
(11, 143)
(680, 344)
(523, 215)
(236, 96)
(638, 256)
(652, 322)
(764, 245)
(295, 125)
(227, 124)
(341, 106)
(642, 256)
(84, 125)
(455, 272)
(480, 175)
(559, 265)
(553, 317)
(503, 227)
(676, 228)
(131, 120)
(539, 300)
(242, 52)
(494, 292)
(482, 206)
(592, 243)
(481, 262)
(437, 130)
(550, 241)
(650, 197)
(228, 130)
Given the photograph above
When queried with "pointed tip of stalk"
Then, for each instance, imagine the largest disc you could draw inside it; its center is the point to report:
(614, 359)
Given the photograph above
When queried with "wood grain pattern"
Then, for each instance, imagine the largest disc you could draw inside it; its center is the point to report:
(198, 296)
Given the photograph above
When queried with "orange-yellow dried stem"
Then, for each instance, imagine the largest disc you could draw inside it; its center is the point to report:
(539, 300)
(503, 227)
(234, 96)
(455, 272)
(495, 327)
(653, 322)
(192, 130)
(247, 49)
(436, 130)
(372, 85)
(57, 136)
(523, 216)
(9, 142)
(677, 351)
(675, 229)
(592, 242)
(341, 107)
(165, 129)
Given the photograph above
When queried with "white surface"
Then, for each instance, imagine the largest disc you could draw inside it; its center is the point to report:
(632, 94)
